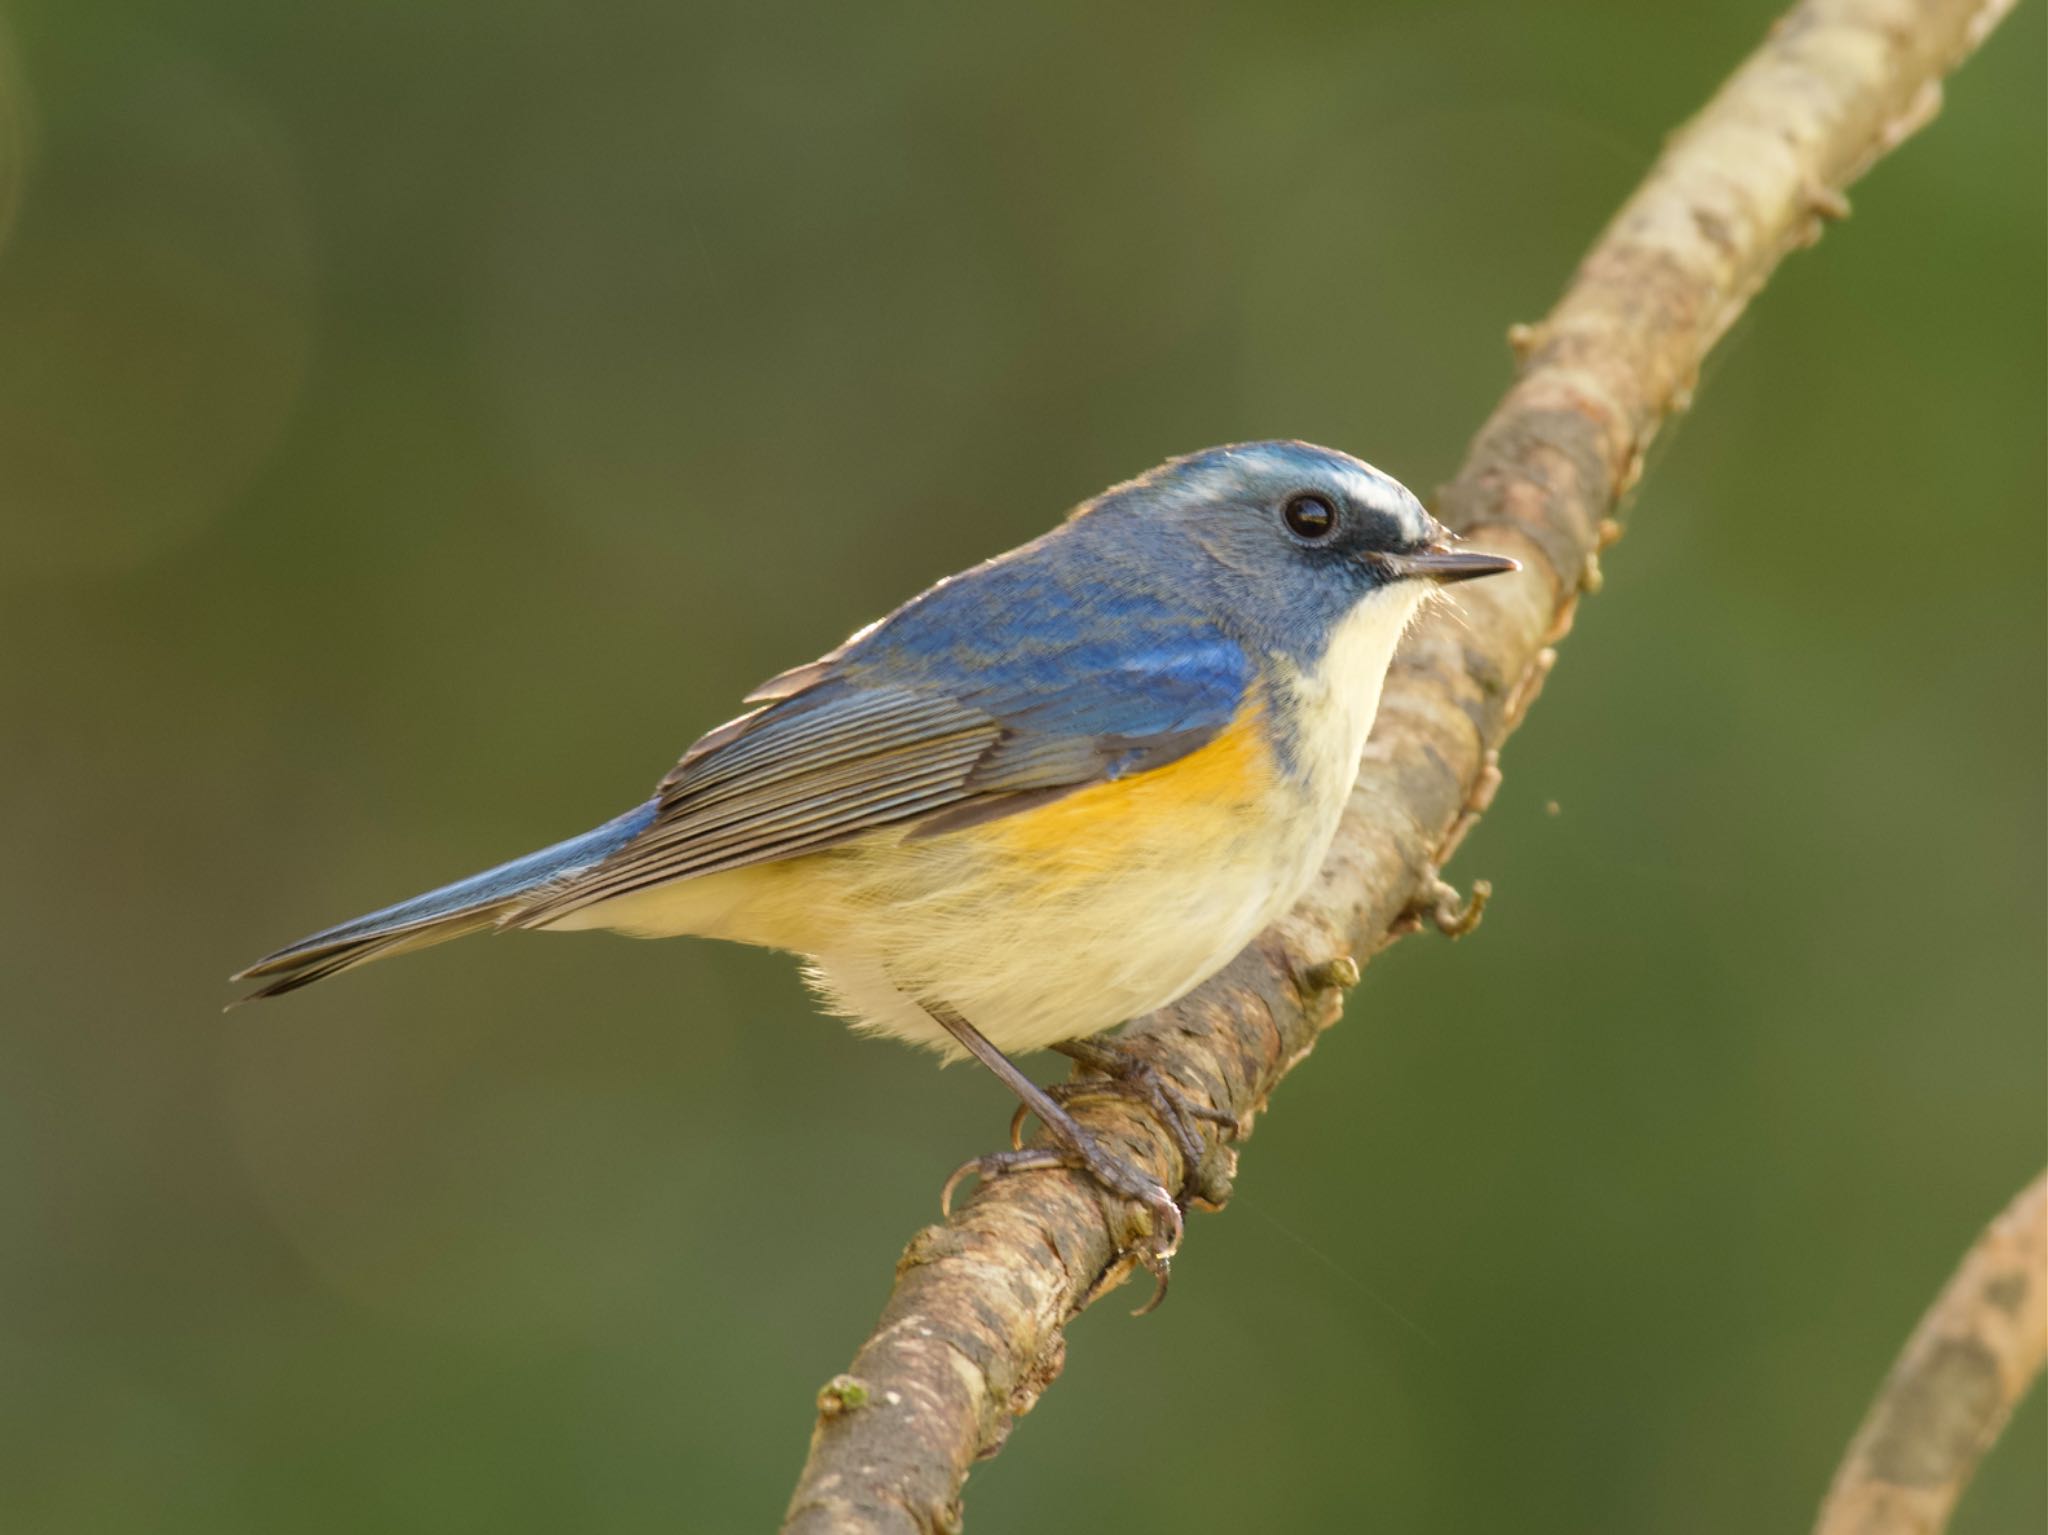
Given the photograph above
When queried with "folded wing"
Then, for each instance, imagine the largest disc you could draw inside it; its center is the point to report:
(843, 752)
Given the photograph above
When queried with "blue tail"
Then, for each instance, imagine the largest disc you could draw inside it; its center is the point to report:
(463, 907)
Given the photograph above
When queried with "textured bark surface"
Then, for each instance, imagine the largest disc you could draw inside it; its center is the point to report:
(973, 1331)
(1968, 1363)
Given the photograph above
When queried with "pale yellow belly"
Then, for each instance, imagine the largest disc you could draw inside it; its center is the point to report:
(1043, 926)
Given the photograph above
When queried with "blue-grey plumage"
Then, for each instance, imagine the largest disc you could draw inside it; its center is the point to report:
(465, 906)
(1051, 792)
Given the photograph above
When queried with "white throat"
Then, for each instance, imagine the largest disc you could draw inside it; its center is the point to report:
(1340, 696)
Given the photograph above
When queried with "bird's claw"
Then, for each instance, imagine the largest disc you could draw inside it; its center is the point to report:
(1112, 1175)
(1121, 1073)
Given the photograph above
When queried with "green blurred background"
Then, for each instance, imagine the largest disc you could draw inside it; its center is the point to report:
(420, 418)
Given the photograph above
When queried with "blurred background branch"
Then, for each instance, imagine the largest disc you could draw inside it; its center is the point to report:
(974, 1329)
(1974, 1355)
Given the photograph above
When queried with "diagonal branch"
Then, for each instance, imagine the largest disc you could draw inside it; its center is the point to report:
(973, 1331)
(1968, 1363)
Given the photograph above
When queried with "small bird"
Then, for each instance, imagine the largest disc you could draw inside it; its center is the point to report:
(1046, 796)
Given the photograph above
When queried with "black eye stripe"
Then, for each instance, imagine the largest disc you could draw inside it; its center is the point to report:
(1383, 530)
(1309, 516)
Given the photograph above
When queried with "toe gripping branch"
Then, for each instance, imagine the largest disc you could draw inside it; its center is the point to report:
(1114, 1071)
(1118, 1071)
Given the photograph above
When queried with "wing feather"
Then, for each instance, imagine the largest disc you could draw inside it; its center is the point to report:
(831, 731)
(832, 755)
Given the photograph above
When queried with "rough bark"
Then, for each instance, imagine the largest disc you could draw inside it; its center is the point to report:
(973, 1331)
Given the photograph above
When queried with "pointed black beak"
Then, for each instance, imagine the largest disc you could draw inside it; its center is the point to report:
(1442, 565)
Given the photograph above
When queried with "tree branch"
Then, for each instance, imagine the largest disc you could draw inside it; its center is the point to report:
(973, 1331)
(1968, 1363)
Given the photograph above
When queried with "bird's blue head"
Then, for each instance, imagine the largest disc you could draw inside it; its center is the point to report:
(1293, 545)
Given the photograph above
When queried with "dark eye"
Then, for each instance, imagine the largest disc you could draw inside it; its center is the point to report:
(1310, 517)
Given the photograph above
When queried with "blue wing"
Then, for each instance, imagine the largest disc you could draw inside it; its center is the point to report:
(971, 703)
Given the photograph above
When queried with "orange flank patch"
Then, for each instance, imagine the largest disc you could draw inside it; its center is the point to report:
(1180, 810)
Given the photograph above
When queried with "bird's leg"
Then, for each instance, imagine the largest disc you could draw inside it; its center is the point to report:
(1122, 1073)
(1075, 1148)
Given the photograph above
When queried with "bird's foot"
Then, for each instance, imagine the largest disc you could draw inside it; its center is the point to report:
(1075, 1149)
(1120, 1072)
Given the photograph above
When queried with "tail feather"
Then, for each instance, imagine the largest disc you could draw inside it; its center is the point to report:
(467, 906)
